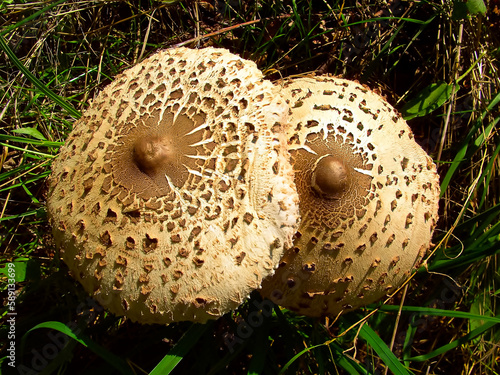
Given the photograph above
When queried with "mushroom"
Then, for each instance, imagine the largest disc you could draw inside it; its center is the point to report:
(173, 196)
(368, 199)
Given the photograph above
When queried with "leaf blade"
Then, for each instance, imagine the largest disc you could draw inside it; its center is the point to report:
(428, 100)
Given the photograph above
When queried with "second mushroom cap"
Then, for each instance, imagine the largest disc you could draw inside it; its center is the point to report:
(368, 199)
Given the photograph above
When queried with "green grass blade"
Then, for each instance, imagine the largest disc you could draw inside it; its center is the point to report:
(428, 100)
(456, 343)
(32, 132)
(24, 21)
(380, 347)
(491, 233)
(440, 312)
(369, 70)
(19, 216)
(35, 142)
(109, 357)
(377, 19)
(38, 84)
(40, 176)
(187, 341)
(298, 355)
(482, 245)
(489, 171)
(464, 150)
(411, 331)
(18, 172)
(259, 354)
(480, 222)
(31, 153)
(348, 364)
(463, 260)
(339, 357)
(461, 153)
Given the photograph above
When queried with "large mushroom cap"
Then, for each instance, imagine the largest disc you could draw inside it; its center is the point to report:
(173, 196)
(368, 199)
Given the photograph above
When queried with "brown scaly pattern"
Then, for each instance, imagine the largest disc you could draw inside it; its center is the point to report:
(368, 199)
(173, 196)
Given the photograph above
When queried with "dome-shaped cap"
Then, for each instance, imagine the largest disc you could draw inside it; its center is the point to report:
(368, 199)
(173, 196)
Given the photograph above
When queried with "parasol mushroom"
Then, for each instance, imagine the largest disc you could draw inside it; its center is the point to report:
(368, 199)
(173, 196)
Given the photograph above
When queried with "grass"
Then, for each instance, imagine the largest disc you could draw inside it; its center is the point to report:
(437, 62)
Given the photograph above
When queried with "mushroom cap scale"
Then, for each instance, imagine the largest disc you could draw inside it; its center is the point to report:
(368, 199)
(173, 196)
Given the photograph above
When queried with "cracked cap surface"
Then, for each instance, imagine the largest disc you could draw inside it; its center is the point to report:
(173, 196)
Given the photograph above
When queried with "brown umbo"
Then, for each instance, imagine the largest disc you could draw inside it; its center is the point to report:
(173, 196)
(368, 199)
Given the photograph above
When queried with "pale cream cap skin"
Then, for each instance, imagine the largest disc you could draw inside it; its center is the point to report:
(368, 199)
(173, 196)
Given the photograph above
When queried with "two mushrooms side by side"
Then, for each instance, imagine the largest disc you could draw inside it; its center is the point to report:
(191, 181)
